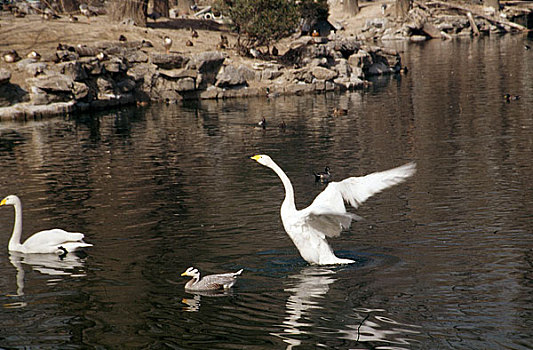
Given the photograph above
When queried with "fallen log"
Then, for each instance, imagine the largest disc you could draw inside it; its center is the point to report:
(473, 24)
(499, 21)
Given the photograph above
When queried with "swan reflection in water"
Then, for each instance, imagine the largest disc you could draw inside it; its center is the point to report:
(306, 289)
(48, 264)
(193, 304)
(365, 326)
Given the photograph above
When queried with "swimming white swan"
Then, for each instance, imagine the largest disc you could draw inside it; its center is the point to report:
(211, 282)
(54, 241)
(327, 216)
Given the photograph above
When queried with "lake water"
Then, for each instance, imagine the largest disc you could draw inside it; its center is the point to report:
(443, 261)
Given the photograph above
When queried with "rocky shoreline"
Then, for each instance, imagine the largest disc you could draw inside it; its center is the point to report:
(108, 74)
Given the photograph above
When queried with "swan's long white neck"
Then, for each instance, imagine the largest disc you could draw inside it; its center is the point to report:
(288, 202)
(14, 241)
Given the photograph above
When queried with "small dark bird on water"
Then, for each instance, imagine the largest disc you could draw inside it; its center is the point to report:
(324, 176)
(282, 125)
(509, 97)
(527, 47)
(263, 123)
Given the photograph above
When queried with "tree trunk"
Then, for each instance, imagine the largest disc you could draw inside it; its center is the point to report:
(69, 6)
(402, 8)
(160, 6)
(134, 9)
(351, 7)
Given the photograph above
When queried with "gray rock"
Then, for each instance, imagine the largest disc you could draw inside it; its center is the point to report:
(136, 56)
(169, 61)
(360, 59)
(379, 68)
(5, 76)
(57, 83)
(248, 74)
(80, 91)
(208, 65)
(229, 76)
(11, 94)
(74, 70)
(126, 85)
(115, 65)
(322, 73)
(270, 74)
(105, 85)
(178, 73)
(36, 68)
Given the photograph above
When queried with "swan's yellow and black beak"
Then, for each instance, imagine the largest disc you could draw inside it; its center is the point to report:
(256, 157)
(3, 202)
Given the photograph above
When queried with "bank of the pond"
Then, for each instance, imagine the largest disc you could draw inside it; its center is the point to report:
(60, 66)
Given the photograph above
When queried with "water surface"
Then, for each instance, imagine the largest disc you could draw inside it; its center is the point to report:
(443, 261)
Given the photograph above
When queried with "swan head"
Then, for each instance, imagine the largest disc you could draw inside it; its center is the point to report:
(191, 272)
(263, 159)
(10, 200)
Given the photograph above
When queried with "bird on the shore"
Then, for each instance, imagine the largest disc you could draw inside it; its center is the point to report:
(34, 55)
(275, 51)
(322, 176)
(72, 18)
(87, 12)
(49, 14)
(194, 34)
(327, 215)
(189, 43)
(146, 43)
(54, 241)
(167, 43)
(221, 281)
(18, 13)
(10, 56)
(509, 97)
(101, 56)
(224, 43)
(122, 38)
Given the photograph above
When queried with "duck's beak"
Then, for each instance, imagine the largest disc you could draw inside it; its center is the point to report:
(184, 274)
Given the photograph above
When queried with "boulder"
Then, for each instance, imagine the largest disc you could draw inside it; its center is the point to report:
(208, 65)
(80, 91)
(57, 83)
(115, 65)
(168, 60)
(74, 70)
(322, 73)
(5, 76)
(229, 76)
(379, 68)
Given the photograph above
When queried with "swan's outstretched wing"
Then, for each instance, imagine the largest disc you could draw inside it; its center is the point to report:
(327, 213)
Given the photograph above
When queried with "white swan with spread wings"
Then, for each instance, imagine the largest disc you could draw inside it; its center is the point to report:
(327, 215)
